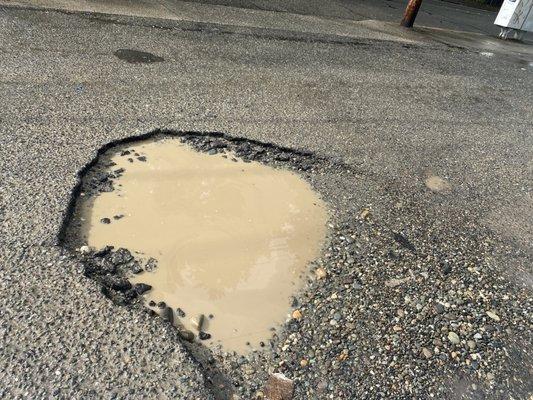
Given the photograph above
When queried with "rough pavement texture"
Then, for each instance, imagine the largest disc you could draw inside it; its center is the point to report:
(306, 19)
(398, 114)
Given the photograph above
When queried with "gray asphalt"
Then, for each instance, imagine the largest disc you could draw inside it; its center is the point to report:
(395, 112)
(434, 13)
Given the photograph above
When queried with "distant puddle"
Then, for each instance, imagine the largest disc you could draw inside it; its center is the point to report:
(232, 239)
(137, 57)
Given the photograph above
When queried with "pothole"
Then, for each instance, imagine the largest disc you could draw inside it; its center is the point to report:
(220, 241)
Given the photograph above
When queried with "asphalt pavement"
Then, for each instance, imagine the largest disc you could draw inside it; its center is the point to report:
(435, 13)
(396, 107)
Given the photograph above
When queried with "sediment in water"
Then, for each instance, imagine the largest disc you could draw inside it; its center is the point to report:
(231, 236)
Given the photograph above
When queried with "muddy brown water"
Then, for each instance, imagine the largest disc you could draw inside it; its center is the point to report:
(232, 239)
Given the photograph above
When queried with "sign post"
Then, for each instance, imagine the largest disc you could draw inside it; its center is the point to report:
(410, 13)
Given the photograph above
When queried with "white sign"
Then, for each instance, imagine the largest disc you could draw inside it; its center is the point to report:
(516, 14)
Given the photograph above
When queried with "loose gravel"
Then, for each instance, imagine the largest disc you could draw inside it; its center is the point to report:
(422, 304)
(418, 301)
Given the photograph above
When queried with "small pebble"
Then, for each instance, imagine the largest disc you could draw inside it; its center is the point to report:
(365, 213)
(320, 273)
(453, 337)
(198, 322)
(427, 352)
(85, 250)
(493, 315)
(187, 335)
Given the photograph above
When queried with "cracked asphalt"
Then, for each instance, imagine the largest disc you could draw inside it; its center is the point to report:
(397, 111)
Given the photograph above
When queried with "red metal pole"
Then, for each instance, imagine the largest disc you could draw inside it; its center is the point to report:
(410, 13)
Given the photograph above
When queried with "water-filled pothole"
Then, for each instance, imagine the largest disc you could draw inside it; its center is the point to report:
(225, 241)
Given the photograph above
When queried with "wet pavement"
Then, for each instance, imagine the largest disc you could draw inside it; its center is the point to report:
(439, 21)
(451, 15)
(135, 56)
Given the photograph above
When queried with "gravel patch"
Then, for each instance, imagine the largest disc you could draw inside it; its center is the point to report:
(421, 303)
